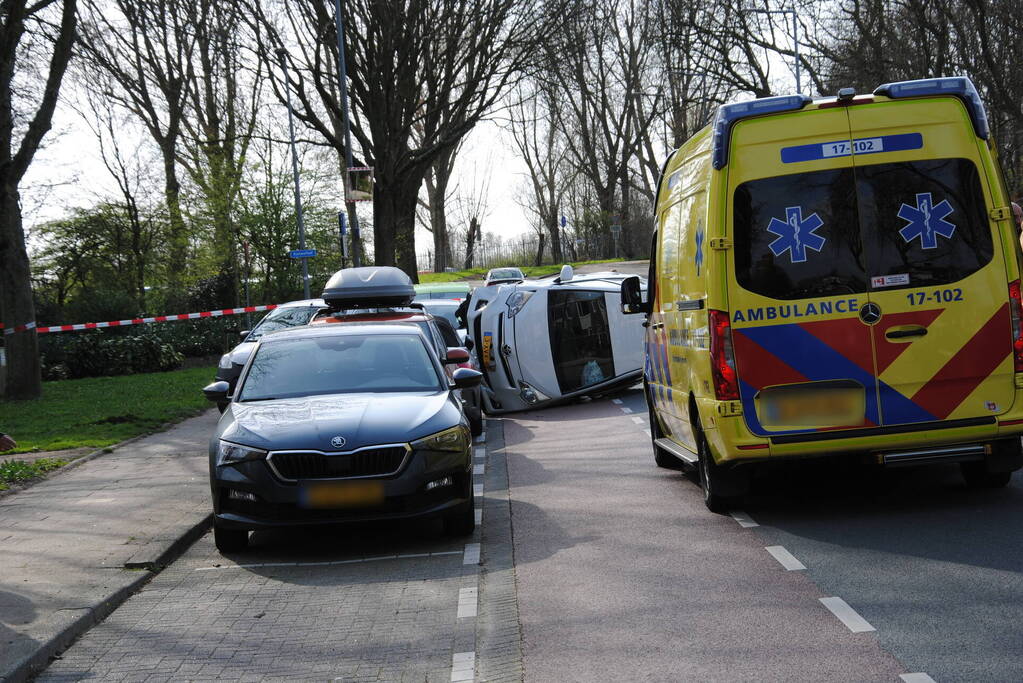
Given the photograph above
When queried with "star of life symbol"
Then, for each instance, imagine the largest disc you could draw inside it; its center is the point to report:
(926, 221)
(796, 234)
(698, 259)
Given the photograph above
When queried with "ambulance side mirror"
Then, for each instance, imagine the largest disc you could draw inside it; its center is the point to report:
(632, 297)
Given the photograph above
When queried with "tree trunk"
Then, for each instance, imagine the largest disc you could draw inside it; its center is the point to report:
(554, 228)
(394, 226)
(178, 237)
(539, 250)
(24, 380)
(470, 241)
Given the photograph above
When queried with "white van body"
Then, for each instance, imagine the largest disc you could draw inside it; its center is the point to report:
(543, 341)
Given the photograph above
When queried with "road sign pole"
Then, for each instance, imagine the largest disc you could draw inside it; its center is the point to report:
(282, 54)
(342, 230)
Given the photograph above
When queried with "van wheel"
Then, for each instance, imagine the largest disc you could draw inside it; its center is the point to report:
(662, 457)
(230, 540)
(977, 476)
(711, 477)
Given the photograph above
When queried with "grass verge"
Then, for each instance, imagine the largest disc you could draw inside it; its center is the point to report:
(100, 411)
(479, 273)
(19, 471)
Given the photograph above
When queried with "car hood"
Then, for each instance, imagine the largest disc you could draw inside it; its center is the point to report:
(360, 419)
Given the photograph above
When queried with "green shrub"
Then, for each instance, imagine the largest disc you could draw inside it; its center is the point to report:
(97, 355)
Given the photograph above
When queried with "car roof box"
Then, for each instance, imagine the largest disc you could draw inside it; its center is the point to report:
(368, 287)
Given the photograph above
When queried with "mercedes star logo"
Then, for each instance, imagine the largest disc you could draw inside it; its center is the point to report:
(338, 442)
(870, 313)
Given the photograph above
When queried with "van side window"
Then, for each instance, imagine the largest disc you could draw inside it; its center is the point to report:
(909, 229)
(781, 266)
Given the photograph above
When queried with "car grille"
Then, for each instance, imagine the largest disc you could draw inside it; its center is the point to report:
(371, 462)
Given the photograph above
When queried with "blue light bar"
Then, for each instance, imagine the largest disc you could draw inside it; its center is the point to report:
(728, 114)
(956, 86)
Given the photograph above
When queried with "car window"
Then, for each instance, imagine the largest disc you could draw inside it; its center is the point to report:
(283, 318)
(925, 220)
(797, 236)
(340, 364)
(447, 331)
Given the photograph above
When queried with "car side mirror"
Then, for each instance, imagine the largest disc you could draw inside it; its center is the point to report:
(464, 378)
(217, 391)
(632, 297)
(456, 354)
(243, 334)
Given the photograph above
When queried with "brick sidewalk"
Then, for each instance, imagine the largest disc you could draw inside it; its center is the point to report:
(66, 541)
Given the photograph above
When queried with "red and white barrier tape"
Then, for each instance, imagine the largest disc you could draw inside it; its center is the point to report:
(140, 321)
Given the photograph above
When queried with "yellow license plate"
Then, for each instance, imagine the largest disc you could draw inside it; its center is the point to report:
(346, 494)
(812, 408)
(488, 344)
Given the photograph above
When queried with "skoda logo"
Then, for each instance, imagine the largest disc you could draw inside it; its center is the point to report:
(338, 442)
(870, 313)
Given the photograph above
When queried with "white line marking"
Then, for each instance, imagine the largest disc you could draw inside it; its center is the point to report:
(467, 602)
(482, 438)
(638, 420)
(477, 489)
(479, 469)
(626, 410)
(647, 432)
(744, 520)
(331, 562)
(471, 554)
(847, 615)
(787, 559)
(918, 677)
(616, 401)
(463, 666)
(481, 452)
(479, 515)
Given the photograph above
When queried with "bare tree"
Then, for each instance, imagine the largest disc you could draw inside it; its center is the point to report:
(423, 73)
(42, 32)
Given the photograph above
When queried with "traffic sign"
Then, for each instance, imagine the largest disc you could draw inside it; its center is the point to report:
(302, 253)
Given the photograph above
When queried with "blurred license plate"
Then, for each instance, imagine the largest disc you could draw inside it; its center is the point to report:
(345, 494)
(812, 408)
(488, 345)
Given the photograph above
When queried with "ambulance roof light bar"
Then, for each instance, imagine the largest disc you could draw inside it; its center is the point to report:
(729, 114)
(957, 86)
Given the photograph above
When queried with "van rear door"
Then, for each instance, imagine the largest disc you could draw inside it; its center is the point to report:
(935, 266)
(797, 278)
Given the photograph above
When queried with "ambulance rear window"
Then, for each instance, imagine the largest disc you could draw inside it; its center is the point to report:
(797, 236)
(923, 221)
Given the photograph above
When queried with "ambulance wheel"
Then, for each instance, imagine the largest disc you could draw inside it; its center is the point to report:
(661, 457)
(230, 540)
(977, 476)
(710, 477)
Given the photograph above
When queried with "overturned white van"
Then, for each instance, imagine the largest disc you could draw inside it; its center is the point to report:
(543, 341)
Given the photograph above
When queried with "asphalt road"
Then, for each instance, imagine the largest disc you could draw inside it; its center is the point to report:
(935, 567)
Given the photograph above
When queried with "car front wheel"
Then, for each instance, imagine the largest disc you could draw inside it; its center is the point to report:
(462, 521)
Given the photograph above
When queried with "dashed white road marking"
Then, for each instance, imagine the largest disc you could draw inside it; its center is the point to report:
(330, 562)
(638, 420)
(626, 410)
(918, 677)
(463, 666)
(482, 438)
(477, 489)
(481, 452)
(479, 515)
(787, 559)
(847, 615)
(647, 432)
(467, 599)
(471, 555)
(616, 401)
(478, 469)
(744, 520)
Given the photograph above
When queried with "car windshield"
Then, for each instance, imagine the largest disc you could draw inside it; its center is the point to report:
(505, 274)
(283, 318)
(335, 364)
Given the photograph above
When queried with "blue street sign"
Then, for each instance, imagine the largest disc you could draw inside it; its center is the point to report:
(302, 253)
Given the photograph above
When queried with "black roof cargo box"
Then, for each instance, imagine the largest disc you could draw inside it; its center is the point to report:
(368, 287)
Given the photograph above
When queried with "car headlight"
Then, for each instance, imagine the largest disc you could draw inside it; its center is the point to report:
(225, 361)
(517, 300)
(230, 453)
(455, 439)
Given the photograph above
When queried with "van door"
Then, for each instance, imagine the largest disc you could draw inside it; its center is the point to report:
(936, 274)
(797, 277)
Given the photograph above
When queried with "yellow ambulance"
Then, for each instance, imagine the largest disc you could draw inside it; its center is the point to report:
(831, 277)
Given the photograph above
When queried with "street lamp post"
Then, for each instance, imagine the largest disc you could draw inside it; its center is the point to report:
(795, 37)
(342, 71)
(282, 55)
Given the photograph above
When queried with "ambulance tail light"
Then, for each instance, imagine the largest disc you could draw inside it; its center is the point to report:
(1016, 315)
(722, 359)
